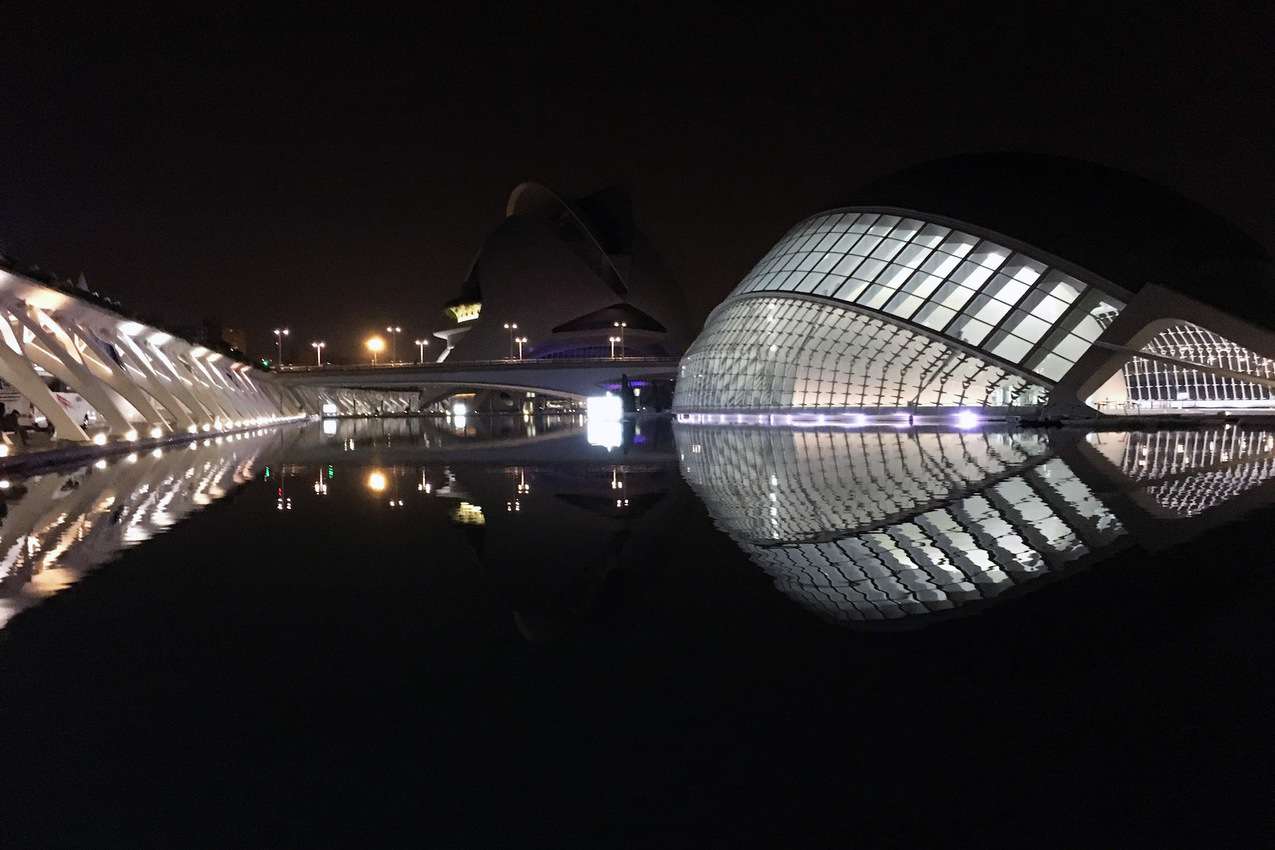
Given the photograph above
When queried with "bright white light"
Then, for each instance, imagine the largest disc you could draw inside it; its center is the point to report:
(130, 434)
(131, 328)
(192, 429)
(607, 433)
(604, 407)
(206, 427)
(4, 450)
(157, 453)
(329, 427)
(99, 439)
(330, 408)
(101, 464)
(4, 484)
(966, 419)
(157, 432)
(159, 338)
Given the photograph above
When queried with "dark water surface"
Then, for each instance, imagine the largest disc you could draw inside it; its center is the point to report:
(509, 632)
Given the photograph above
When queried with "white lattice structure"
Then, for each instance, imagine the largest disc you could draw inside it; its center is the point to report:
(139, 380)
(879, 309)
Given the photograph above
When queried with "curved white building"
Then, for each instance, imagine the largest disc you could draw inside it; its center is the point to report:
(567, 272)
(1004, 283)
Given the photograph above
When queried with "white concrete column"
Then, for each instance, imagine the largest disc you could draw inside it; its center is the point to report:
(197, 384)
(181, 387)
(115, 375)
(17, 370)
(154, 384)
(217, 388)
(68, 367)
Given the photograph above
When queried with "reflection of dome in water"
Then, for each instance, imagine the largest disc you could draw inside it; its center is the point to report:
(864, 526)
(889, 525)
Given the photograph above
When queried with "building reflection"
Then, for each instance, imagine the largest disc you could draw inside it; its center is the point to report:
(553, 541)
(443, 432)
(57, 526)
(910, 526)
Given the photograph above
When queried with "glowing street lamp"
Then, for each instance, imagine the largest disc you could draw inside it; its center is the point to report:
(393, 331)
(613, 340)
(279, 334)
(511, 327)
(420, 345)
(520, 340)
(621, 326)
(375, 345)
(318, 352)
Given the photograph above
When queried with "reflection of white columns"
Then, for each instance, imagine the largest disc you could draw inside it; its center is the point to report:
(18, 371)
(68, 367)
(155, 385)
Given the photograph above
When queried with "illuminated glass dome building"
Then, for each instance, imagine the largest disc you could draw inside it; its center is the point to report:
(1006, 283)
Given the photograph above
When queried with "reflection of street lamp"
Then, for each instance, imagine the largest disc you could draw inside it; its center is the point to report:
(393, 331)
(613, 340)
(420, 344)
(375, 345)
(279, 334)
(520, 340)
(621, 326)
(511, 327)
(318, 352)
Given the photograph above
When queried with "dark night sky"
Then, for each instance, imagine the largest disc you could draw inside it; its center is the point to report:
(333, 174)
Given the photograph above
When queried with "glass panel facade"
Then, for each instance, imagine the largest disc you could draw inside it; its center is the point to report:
(783, 353)
(970, 289)
(1151, 381)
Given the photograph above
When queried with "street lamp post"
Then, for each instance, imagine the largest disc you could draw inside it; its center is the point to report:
(279, 334)
(318, 352)
(520, 340)
(375, 345)
(511, 327)
(393, 331)
(613, 340)
(420, 345)
(621, 326)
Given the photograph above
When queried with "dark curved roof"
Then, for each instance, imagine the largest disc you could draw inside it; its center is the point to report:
(1121, 226)
(608, 316)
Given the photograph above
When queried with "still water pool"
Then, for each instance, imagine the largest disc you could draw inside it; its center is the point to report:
(546, 632)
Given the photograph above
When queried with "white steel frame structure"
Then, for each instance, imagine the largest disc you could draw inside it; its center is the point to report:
(141, 381)
(874, 310)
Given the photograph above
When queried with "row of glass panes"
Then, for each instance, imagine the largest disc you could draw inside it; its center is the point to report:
(830, 357)
(973, 290)
(1199, 345)
(1151, 380)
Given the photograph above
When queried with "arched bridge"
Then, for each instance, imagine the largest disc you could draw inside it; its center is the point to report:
(569, 378)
